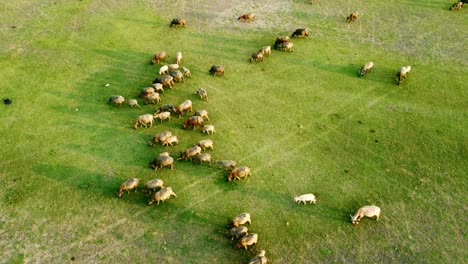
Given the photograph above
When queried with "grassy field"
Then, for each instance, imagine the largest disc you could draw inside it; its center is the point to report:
(303, 121)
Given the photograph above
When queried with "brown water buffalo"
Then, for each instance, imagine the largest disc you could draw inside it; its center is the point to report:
(217, 69)
(190, 153)
(133, 103)
(146, 91)
(179, 57)
(238, 231)
(165, 108)
(285, 46)
(160, 137)
(300, 32)
(203, 113)
(202, 93)
(193, 121)
(259, 258)
(238, 173)
(152, 185)
(162, 160)
(152, 98)
(401, 74)
(248, 240)
(128, 185)
(280, 40)
(186, 106)
(143, 120)
(177, 75)
(257, 56)
(366, 68)
(160, 56)
(165, 80)
(117, 100)
(178, 22)
(241, 219)
(368, 211)
(247, 17)
(457, 6)
(162, 195)
(266, 50)
(352, 17)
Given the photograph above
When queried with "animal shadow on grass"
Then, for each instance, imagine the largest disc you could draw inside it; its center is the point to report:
(80, 179)
(377, 74)
(126, 56)
(140, 21)
(330, 213)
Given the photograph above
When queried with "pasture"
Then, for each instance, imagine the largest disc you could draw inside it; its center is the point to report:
(303, 121)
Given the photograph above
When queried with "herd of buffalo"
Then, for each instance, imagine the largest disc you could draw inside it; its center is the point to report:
(168, 75)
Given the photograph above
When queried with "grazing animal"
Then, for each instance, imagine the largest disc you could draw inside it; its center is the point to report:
(186, 106)
(352, 17)
(259, 259)
(133, 103)
(117, 100)
(193, 121)
(160, 56)
(369, 211)
(147, 91)
(165, 108)
(247, 240)
(238, 231)
(162, 160)
(241, 219)
(226, 164)
(170, 141)
(163, 70)
(189, 153)
(173, 66)
(217, 69)
(162, 195)
(165, 80)
(202, 93)
(178, 22)
(152, 98)
(208, 129)
(457, 6)
(300, 32)
(401, 74)
(178, 57)
(128, 185)
(143, 120)
(160, 137)
(305, 198)
(266, 50)
(238, 173)
(247, 17)
(202, 113)
(204, 157)
(186, 72)
(163, 116)
(206, 144)
(286, 46)
(158, 87)
(153, 185)
(366, 68)
(178, 76)
(257, 56)
(281, 40)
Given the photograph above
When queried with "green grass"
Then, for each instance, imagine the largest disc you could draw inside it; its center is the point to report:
(303, 121)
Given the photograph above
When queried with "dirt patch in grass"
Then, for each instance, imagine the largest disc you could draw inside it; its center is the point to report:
(221, 14)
